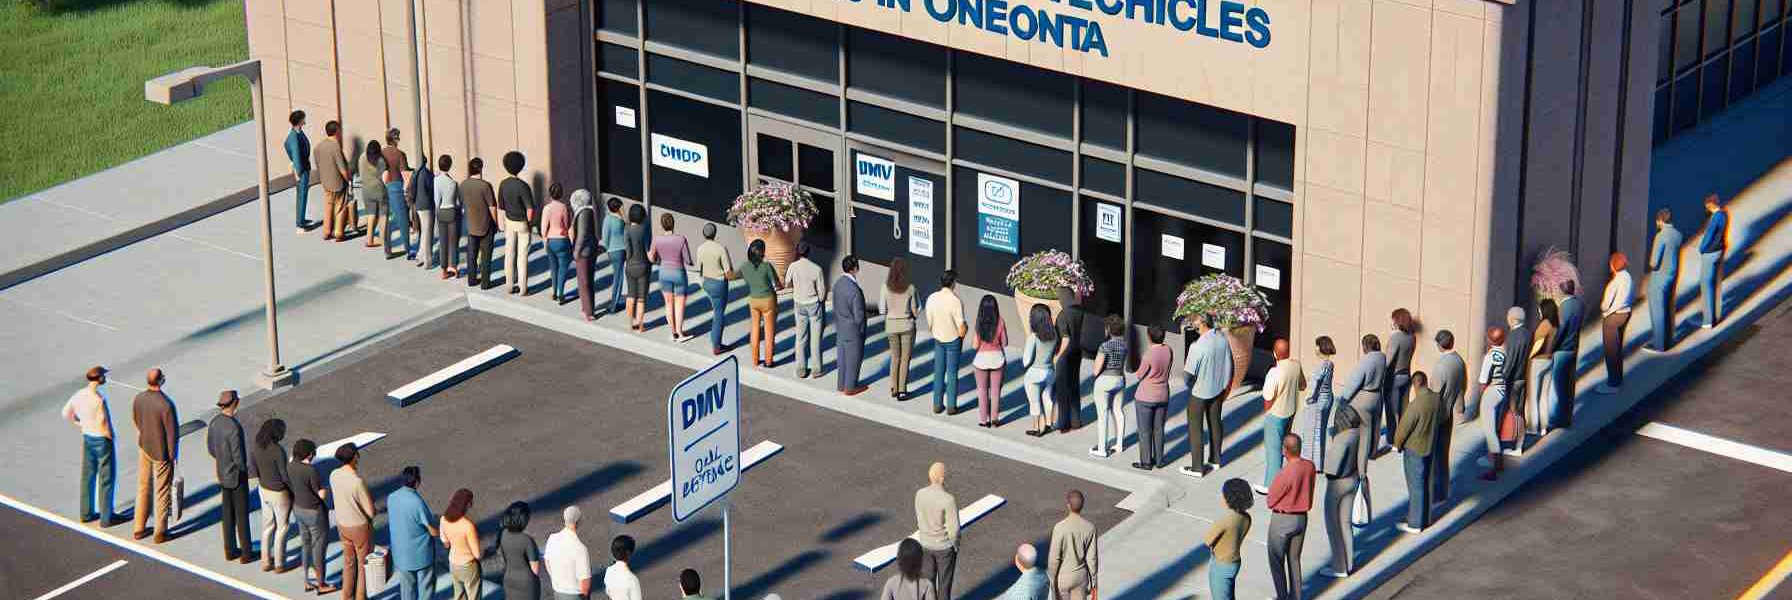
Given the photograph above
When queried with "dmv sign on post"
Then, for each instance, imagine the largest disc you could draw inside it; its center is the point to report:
(703, 420)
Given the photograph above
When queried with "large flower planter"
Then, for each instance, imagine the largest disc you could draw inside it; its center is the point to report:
(1024, 303)
(1242, 339)
(780, 246)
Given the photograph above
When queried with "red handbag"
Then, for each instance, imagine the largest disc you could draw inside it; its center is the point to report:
(1511, 424)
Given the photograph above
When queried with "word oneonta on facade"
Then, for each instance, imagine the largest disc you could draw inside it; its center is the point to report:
(1224, 20)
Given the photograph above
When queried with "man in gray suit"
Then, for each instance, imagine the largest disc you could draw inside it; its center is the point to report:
(1518, 349)
(1567, 357)
(849, 327)
(224, 440)
(1664, 270)
(1451, 375)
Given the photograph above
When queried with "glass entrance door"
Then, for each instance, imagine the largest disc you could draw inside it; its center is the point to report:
(784, 152)
(897, 209)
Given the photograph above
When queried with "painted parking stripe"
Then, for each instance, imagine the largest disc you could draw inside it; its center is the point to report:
(883, 556)
(657, 496)
(452, 374)
(1772, 459)
(83, 580)
(1772, 580)
(164, 558)
(326, 453)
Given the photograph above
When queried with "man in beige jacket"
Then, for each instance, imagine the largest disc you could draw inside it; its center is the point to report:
(1075, 557)
(936, 516)
(332, 171)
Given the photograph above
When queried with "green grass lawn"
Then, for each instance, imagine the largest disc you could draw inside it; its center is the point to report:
(71, 83)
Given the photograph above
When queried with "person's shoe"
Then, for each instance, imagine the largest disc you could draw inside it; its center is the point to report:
(1651, 349)
(1098, 453)
(324, 590)
(1191, 472)
(1604, 389)
(284, 570)
(247, 557)
(267, 567)
(228, 557)
(1332, 574)
(953, 412)
(1044, 432)
(858, 390)
(137, 535)
(714, 351)
(161, 538)
(1407, 528)
(514, 290)
(1141, 466)
(1032, 433)
(1261, 491)
(938, 409)
(1706, 326)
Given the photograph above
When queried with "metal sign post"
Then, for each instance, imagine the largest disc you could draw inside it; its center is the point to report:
(703, 444)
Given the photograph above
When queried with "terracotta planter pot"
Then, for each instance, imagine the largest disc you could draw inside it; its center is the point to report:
(1242, 340)
(780, 246)
(1023, 304)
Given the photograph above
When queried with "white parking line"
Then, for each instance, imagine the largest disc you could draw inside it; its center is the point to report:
(967, 516)
(1772, 459)
(82, 581)
(656, 496)
(130, 547)
(414, 391)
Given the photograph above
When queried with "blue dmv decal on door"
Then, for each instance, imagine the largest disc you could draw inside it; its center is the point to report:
(998, 213)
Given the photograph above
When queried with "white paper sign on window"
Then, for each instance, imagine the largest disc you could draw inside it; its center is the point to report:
(920, 216)
(1107, 221)
(1213, 257)
(1172, 247)
(625, 117)
(874, 177)
(1269, 277)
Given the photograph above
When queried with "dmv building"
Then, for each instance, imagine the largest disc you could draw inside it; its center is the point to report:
(1345, 156)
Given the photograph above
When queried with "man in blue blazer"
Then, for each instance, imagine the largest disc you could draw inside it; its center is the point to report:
(1711, 260)
(849, 327)
(1566, 358)
(298, 152)
(1664, 270)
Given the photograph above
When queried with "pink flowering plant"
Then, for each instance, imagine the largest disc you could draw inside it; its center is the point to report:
(1553, 271)
(1043, 273)
(772, 207)
(1231, 302)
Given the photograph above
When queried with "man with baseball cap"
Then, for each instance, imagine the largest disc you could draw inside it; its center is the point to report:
(87, 409)
(224, 440)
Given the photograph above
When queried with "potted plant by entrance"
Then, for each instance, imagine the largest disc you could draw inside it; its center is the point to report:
(1554, 268)
(1037, 279)
(1239, 310)
(777, 213)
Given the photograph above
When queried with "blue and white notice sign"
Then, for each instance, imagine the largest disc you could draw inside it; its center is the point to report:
(874, 176)
(703, 422)
(998, 213)
(680, 155)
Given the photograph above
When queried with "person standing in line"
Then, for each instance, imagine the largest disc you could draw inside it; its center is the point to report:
(1281, 398)
(1518, 363)
(584, 251)
(908, 583)
(1540, 356)
(420, 194)
(267, 469)
(1362, 391)
(224, 441)
(715, 267)
(1341, 476)
(1614, 315)
(1290, 497)
(807, 283)
(1031, 583)
(333, 174)
(620, 582)
(690, 585)
(412, 527)
(447, 202)
(615, 242)
(1414, 437)
(899, 307)
(1493, 398)
(849, 328)
(354, 520)
(481, 204)
(1207, 373)
(462, 540)
(989, 358)
(1074, 565)
(1225, 537)
(1664, 275)
(1110, 388)
(1563, 363)
(936, 516)
(1400, 346)
(1037, 359)
(517, 201)
(1451, 374)
(1319, 405)
(556, 230)
(762, 302)
(568, 560)
(88, 410)
(1067, 372)
(672, 252)
(373, 197)
(945, 321)
(637, 266)
(1152, 399)
(158, 445)
(1712, 244)
(519, 558)
(311, 515)
(298, 154)
(398, 211)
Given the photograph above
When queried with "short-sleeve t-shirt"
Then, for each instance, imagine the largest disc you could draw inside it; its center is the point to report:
(518, 550)
(1113, 352)
(762, 280)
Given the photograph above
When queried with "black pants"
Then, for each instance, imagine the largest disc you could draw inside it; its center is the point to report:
(235, 502)
(939, 566)
(479, 259)
(1151, 431)
(1200, 443)
(1067, 391)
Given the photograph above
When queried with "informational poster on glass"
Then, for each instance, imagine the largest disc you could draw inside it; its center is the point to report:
(874, 177)
(1172, 247)
(625, 117)
(1269, 277)
(1107, 222)
(680, 155)
(920, 216)
(998, 213)
(1213, 257)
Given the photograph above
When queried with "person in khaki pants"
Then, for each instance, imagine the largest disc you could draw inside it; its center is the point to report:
(1075, 559)
(332, 171)
(158, 435)
(354, 520)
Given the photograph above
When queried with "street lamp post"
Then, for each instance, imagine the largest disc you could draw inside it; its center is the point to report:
(187, 84)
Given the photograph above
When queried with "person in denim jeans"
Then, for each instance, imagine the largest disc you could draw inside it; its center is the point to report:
(716, 268)
(87, 409)
(808, 283)
(945, 320)
(615, 242)
(1036, 358)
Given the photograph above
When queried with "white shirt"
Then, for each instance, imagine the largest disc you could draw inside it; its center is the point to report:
(568, 561)
(1617, 295)
(447, 192)
(620, 583)
(87, 407)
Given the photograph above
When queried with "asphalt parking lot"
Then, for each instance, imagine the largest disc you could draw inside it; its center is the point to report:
(42, 557)
(572, 422)
(1629, 516)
